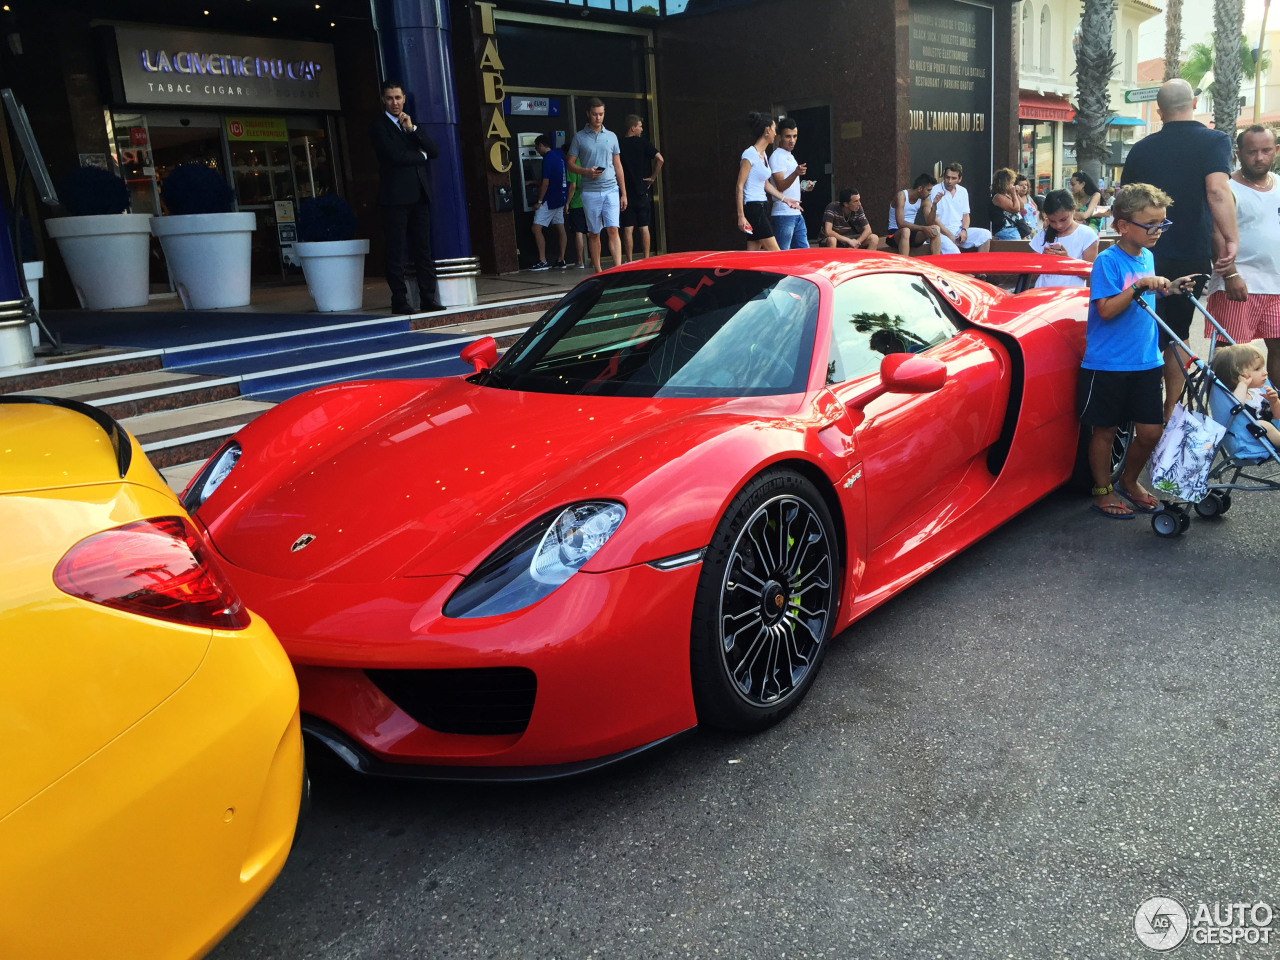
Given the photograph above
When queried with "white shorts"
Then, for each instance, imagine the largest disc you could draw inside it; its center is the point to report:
(974, 237)
(545, 216)
(601, 210)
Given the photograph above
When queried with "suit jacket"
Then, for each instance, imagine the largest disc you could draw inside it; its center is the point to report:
(402, 169)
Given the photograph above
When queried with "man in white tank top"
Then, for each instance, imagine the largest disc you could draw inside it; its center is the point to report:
(1245, 299)
(908, 219)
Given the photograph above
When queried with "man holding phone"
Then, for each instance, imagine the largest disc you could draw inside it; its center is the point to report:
(595, 156)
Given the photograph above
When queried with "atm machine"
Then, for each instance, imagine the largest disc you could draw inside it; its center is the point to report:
(530, 181)
(530, 170)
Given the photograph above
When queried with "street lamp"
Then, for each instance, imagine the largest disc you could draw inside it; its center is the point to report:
(1257, 64)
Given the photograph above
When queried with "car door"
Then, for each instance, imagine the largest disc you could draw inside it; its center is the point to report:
(915, 448)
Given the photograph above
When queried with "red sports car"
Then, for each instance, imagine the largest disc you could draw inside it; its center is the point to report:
(654, 511)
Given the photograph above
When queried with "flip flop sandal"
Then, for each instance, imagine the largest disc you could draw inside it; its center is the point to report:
(1139, 506)
(1108, 514)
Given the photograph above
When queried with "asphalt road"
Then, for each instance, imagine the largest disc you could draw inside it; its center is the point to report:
(1005, 761)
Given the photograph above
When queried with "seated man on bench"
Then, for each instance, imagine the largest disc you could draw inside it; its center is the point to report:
(951, 214)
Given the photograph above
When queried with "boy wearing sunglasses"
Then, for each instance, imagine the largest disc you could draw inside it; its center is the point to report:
(1120, 376)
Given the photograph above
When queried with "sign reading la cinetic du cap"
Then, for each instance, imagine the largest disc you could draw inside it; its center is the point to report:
(193, 68)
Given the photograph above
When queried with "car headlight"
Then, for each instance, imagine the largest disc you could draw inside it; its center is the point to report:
(210, 476)
(536, 560)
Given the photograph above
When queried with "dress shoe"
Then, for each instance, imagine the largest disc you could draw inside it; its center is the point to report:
(403, 307)
(432, 306)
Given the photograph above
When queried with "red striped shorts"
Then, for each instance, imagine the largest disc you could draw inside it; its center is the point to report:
(1258, 316)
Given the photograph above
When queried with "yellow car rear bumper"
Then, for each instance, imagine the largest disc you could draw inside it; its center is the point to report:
(159, 842)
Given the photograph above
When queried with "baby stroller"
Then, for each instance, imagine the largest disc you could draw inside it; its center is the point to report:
(1222, 448)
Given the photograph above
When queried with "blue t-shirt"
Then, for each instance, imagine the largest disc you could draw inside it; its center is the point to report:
(1127, 341)
(553, 171)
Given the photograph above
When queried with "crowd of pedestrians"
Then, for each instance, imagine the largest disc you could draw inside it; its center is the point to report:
(1181, 218)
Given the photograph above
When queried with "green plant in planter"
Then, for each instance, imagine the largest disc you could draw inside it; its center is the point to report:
(326, 218)
(195, 188)
(92, 191)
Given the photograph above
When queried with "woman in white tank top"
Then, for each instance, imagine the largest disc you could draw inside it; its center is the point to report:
(755, 186)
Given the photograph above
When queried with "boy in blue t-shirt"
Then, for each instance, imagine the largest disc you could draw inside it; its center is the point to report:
(1120, 376)
(548, 209)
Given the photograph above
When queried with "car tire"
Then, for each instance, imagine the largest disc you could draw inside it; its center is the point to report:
(764, 608)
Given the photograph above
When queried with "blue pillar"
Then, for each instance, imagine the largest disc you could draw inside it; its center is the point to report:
(414, 37)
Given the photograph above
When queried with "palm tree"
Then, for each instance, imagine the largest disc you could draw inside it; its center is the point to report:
(1172, 38)
(1201, 59)
(1228, 23)
(1095, 59)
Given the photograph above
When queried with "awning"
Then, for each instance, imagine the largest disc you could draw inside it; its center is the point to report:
(1037, 106)
(1125, 122)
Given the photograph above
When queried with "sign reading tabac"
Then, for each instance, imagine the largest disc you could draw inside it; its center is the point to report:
(159, 65)
(951, 105)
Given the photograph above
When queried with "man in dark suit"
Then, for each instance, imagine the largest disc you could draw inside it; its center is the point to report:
(405, 198)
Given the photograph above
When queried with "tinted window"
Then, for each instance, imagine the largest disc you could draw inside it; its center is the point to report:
(873, 316)
(664, 333)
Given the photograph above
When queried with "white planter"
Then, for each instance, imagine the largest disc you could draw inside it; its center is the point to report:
(34, 271)
(335, 272)
(108, 257)
(208, 257)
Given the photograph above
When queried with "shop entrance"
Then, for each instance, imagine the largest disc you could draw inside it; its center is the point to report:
(273, 164)
(558, 117)
(813, 147)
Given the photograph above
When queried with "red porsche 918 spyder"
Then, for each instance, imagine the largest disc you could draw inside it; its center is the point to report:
(654, 511)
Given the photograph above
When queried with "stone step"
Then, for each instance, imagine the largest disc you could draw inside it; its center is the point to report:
(95, 363)
(173, 437)
(134, 394)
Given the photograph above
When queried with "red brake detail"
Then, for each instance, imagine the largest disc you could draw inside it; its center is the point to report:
(155, 568)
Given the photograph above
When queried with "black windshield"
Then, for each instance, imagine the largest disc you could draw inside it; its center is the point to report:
(670, 333)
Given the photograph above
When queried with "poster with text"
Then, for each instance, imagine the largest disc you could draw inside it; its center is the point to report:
(951, 106)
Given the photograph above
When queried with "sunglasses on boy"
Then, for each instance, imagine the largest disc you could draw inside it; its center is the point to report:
(1150, 228)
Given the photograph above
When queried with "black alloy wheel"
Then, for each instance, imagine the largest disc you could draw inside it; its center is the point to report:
(765, 605)
(1120, 449)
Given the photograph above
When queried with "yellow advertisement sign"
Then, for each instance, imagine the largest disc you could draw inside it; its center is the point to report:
(257, 129)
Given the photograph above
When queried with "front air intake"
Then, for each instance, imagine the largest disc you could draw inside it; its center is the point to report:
(488, 700)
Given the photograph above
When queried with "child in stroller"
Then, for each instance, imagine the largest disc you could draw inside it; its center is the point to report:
(1243, 369)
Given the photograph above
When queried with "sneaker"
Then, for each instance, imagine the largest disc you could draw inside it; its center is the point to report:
(559, 265)
(580, 266)
(541, 265)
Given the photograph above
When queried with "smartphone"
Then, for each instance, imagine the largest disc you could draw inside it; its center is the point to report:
(601, 169)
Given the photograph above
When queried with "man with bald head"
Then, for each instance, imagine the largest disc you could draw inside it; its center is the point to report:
(1192, 164)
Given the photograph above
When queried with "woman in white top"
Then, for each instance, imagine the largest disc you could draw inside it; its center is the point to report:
(755, 186)
(1063, 236)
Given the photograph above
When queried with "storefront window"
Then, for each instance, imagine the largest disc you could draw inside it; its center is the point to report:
(1068, 156)
(1035, 159)
(268, 161)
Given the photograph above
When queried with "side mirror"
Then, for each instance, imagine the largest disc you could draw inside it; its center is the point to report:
(481, 354)
(911, 373)
(902, 373)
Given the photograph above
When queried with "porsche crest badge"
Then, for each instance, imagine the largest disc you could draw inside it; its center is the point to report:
(301, 542)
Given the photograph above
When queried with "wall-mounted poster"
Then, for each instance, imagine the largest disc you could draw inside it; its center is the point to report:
(951, 109)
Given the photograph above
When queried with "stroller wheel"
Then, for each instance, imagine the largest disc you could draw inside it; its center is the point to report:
(1226, 502)
(1166, 524)
(1210, 506)
(1184, 521)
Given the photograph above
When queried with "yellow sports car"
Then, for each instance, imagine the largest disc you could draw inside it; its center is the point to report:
(150, 751)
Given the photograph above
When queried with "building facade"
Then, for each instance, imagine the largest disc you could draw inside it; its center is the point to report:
(1048, 32)
(278, 96)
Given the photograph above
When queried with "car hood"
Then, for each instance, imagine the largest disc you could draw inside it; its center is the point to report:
(432, 486)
